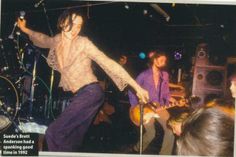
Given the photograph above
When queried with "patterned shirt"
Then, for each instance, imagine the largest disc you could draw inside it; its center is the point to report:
(160, 95)
(73, 60)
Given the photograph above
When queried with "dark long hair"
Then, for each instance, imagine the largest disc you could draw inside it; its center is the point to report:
(67, 14)
(209, 131)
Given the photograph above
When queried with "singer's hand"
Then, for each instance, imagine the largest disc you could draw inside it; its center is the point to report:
(142, 95)
(21, 23)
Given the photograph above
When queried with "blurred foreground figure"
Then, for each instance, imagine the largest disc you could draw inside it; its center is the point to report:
(209, 131)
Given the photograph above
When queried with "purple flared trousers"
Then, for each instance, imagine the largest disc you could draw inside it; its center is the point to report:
(66, 133)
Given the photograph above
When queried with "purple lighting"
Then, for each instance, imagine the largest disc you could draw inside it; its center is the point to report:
(177, 55)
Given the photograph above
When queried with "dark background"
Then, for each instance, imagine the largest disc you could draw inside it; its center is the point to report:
(117, 30)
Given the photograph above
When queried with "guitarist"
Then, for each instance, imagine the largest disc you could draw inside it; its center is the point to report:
(156, 81)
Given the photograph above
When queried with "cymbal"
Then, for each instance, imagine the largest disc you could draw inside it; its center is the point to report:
(4, 122)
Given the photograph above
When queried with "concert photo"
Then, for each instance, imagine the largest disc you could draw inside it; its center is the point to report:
(98, 78)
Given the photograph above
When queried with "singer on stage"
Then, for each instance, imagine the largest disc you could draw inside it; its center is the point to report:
(71, 54)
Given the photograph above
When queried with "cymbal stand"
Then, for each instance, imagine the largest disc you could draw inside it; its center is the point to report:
(31, 99)
(37, 54)
(49, 104)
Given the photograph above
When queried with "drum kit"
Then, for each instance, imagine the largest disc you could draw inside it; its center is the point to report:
(23, 95)
(25, 102)
(25, 98)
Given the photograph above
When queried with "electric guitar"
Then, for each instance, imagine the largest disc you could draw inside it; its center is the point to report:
(150, 111)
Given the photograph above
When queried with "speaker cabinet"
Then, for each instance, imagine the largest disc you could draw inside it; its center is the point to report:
(209, 82)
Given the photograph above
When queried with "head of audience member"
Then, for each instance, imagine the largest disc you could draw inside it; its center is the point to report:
(157, 59)
(176, 120)
(123, 60)
(233, 85)
(208, 131)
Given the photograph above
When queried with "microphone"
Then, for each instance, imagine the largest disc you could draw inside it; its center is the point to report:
(36, 5)
(22, 15)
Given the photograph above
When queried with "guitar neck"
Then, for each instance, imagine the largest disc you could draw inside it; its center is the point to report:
(164, 107)
(156, 106)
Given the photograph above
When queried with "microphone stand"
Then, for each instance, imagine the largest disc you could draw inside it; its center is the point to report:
(52, 71)
(141, 129)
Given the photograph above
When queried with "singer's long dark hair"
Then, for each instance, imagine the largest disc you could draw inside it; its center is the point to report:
(67, 14)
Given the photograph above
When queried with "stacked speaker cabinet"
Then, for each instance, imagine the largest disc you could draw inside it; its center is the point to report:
(209, 81)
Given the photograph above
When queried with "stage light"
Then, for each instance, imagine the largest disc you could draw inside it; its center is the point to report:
(222, 26)
(177, 55)
(126, 6)
(142, 55)
(145, 12)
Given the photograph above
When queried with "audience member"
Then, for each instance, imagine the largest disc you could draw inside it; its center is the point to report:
(209, 131)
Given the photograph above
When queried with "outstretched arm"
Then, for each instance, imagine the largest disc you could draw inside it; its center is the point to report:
(39, 39)
(120, 77)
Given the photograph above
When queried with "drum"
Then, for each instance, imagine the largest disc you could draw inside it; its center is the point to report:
(9, 103)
